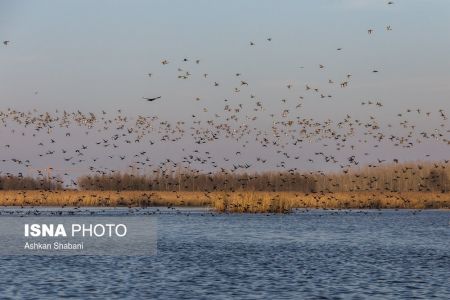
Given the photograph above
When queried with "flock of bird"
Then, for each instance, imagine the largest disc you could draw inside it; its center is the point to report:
(76, 142)
(109, 138)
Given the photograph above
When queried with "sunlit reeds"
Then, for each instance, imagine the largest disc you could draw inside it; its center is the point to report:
(254, 202)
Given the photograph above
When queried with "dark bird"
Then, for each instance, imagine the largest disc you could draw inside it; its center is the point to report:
(151, 99)
(6, 43)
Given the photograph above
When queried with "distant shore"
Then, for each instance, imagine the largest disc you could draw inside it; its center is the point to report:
(245, 201)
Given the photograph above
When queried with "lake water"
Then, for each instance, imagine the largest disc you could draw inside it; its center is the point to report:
(304, 255)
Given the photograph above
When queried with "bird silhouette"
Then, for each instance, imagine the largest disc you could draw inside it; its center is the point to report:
(151, 99)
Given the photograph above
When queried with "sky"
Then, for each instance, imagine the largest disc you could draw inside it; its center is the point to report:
(95, 55)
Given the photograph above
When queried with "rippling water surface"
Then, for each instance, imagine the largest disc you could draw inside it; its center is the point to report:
(315, 254)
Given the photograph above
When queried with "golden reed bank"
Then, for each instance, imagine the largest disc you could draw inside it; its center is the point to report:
(245, 201)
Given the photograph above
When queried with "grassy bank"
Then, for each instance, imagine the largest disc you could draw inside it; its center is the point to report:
(230, 202)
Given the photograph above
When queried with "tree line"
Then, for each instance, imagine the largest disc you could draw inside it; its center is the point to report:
(408, 177)
(14, 182)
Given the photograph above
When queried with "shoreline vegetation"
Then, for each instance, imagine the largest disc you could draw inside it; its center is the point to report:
(240, 202)
(417, 185)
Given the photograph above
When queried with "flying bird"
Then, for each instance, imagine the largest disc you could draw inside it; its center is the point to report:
(151, 99)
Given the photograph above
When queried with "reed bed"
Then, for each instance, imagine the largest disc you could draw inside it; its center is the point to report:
(101, 198)
(241, 202)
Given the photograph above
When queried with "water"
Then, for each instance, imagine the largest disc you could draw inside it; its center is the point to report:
(304, 255)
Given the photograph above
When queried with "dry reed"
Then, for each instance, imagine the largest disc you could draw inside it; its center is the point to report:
(255, 202)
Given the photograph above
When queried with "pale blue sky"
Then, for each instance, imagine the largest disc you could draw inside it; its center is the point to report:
(95, 54)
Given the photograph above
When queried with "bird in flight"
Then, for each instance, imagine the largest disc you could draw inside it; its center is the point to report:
(6, 43)
(151, 99)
